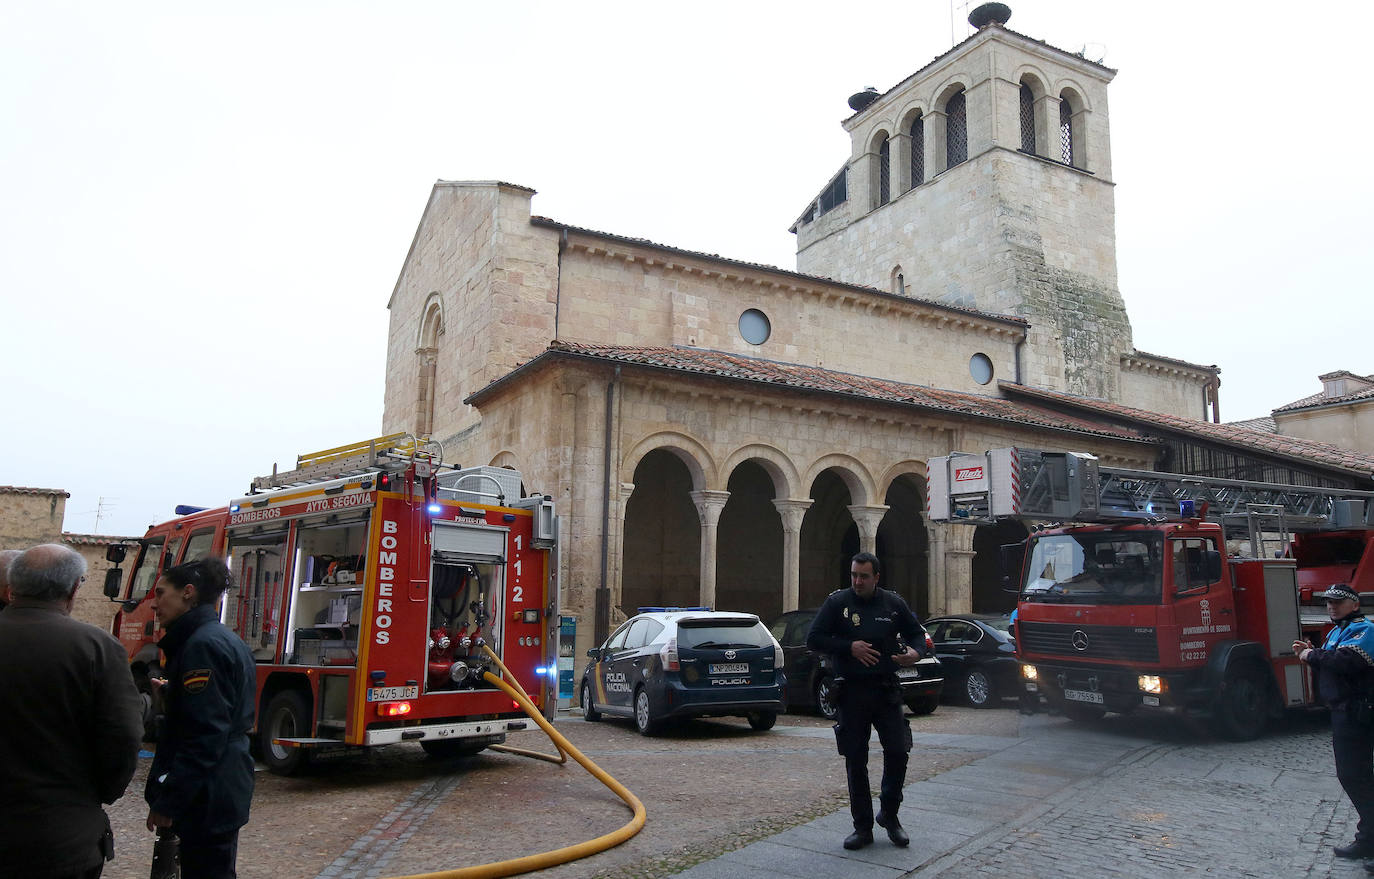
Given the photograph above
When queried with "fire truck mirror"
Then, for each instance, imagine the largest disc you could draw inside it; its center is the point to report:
(1010, 559)
(113, 580)
(1212, 565)
(115, 553)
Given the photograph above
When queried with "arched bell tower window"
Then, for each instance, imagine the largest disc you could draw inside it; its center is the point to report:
(882, 180)
(1027, 119)
(956, 130)
(1065, 130)
(918, 150)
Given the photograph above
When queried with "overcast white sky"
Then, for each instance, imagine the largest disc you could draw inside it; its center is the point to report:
(204, 211)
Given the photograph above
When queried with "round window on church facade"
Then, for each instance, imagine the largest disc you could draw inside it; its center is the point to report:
(980, 367)
(754, 327)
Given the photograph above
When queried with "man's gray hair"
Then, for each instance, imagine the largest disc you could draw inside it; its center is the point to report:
(7, 557)
(47, 572)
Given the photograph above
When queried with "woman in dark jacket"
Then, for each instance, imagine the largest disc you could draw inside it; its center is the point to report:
(201, 781)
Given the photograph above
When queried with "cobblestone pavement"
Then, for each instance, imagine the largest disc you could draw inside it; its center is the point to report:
(989, 793)
(1119, 798)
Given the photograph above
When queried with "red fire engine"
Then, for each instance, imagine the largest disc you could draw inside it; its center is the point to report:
(366, 583)
(1142, 607)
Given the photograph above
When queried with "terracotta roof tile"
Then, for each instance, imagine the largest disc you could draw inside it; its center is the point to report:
(19, 489)
(1320, 399)
(735, 367)
(94, 539)
(1306, 451)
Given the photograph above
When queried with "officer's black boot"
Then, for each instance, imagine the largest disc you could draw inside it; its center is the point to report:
(887, 818)
(858, 839)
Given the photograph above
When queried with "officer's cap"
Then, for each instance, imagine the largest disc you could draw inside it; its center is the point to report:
(1340, 592)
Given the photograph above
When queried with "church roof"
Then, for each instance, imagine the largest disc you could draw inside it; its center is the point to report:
(1298, 449)
(811, 279)
(1321, 399)
(814, 379)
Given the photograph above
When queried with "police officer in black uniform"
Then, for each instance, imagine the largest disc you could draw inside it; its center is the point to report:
(201, 781)
(867, 630)
(1344, 666)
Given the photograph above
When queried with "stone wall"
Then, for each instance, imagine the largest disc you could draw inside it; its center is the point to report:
(1350, 426)
(30, 516)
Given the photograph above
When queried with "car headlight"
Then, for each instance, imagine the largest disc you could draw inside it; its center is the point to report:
(1029, 673)
(1151, 684)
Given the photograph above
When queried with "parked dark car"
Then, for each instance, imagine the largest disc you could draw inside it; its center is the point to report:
(811, 675)
(664, 664)
(978, 654)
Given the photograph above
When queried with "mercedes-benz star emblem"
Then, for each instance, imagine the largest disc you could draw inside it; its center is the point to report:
(1079, 639)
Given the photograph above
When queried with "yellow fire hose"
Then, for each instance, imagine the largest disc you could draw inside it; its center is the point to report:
(515, 866)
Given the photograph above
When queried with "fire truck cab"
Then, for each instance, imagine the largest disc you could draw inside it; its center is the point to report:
(368, 584)
(1141, 606)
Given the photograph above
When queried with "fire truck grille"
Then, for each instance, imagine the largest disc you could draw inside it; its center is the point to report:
(1126, 643)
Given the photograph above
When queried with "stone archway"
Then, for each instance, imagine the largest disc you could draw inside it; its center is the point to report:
(903, 545)
(988, 596)
(829, 538)
(749, 551)
(661, 552)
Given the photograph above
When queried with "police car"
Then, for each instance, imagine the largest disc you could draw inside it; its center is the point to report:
(666, 663)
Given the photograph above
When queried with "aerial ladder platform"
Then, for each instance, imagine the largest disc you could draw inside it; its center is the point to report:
(1048, 486)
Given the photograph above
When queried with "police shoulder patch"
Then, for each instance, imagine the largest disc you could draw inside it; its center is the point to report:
(195, 680)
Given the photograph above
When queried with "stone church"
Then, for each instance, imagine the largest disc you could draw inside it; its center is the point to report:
(723, 433)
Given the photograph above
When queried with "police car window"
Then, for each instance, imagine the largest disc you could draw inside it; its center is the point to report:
(617, 640)
(635, 637)
(722, 633)
(651, 630)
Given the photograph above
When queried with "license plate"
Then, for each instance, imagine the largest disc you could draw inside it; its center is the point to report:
(729, 668)
(908, 673)
(1083, 696)
(391, 694)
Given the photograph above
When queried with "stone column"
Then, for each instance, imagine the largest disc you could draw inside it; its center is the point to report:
(958, 565)
(899, 151)
(792, 512)
(868, 519)
(936, 123)
(616, 563)
(709, 505)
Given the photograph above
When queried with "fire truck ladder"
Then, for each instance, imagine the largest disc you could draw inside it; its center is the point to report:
(1236, 504)
(392, 452)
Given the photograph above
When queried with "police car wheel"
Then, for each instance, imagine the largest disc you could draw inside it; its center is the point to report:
(645, 721)
(825, 697)
(589, 711)
(762, 720)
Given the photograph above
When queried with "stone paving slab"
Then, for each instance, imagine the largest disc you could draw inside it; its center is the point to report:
(1078, 800)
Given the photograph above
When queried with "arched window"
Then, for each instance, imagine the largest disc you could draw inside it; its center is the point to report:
(884, 176)
(1065, 130)
(956, 130)
(918, 150)
(1027, 119)
(427, 352)
(898, 281)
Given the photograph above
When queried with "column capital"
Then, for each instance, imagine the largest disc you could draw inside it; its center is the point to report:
(709, 504)
(792, 511)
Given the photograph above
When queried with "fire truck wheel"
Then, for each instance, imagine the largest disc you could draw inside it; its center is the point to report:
(286, 717)
(922, 705)
(825, 697)
(645, 721)
(1242, 708)
(444, 749)
(762, 720)
(589, 711)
